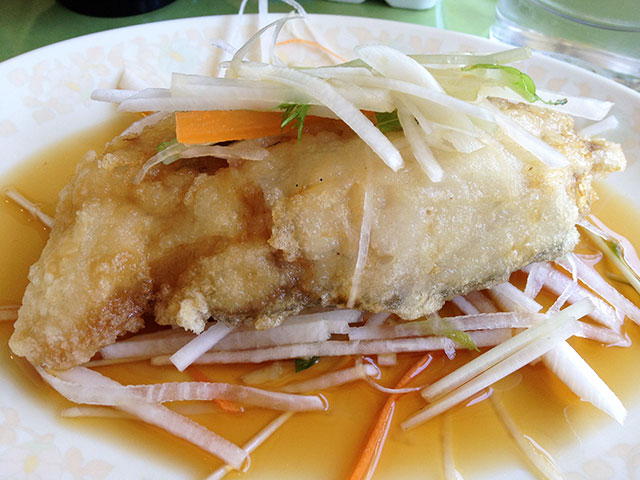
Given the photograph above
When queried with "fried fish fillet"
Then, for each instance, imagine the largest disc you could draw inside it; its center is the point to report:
(254, 242)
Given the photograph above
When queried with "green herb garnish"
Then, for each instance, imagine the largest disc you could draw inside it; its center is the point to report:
(164, 145)
(304, 363)
(388, 121)
(518, 81)
(461, 338)
(294, 114)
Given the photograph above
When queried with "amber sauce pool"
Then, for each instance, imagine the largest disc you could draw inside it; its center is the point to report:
(319, 445)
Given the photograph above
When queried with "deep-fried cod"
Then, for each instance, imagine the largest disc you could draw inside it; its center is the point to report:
(257, 241)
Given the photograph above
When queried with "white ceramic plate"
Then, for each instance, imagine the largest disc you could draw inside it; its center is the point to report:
(45, 97)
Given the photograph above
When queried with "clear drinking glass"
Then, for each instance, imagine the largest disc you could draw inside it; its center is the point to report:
(600, 35)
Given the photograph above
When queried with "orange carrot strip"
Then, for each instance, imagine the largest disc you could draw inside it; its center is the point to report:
(370, 455)
(225, 405)
(225, 125)
(313, 44)
(213, 126)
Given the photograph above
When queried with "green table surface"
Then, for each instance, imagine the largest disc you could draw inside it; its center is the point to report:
(29, 24)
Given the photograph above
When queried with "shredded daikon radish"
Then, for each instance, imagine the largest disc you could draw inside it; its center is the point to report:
(480, 321)
(333, 379)
(80, 378)
(480, 301)
(9, 313)
(378, 319)
(147, 347)
(29, 207)
(569, 290)
(112, 95)
(511, 299)
(627, 262)
(254, 443)
(170, 153)
(419, 147)
(118, 395)
(539, 459)
(504, 350)
(595, 282)
(363, 245)
(391, 391)
(465, 305)
(574, 372)
(392, 63)
(557, 282)
(595, 129)
(233, 151)
(93, 411)
(296, 329)
(538, 148)
(196, 347)
(562, 326)
(603, 335)
(136, 128)
(535, 280)
(339, 348)
(331, 98)
(583, 107)
(469, 58)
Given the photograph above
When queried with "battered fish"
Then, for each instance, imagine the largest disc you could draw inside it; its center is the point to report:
(257, 241)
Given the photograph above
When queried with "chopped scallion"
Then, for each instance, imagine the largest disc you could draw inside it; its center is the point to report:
(304, 363)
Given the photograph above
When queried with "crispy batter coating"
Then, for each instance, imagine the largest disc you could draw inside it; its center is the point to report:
(257, 241)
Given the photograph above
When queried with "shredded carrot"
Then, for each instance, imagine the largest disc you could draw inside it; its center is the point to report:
(225, 405)
(370, 455)
(313, 44)
(213, 126)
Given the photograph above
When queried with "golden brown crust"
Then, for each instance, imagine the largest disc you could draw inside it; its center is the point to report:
(258, 241)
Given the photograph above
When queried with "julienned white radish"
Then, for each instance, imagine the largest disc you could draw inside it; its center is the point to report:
(480, 302)
(595, 282)
(465, 305)
(602, 335)
(466, 323)
(617, 248)
(583, 107)
(546, 336)
(557, 282)
(333, 379)
(571, 368)
(29, 206)
(535, 280)
(363, 246)
(419, 146)
(504, 350)
(392, 63)
(254, 443)
(541, 150)
(565, 362)
(512, 299)
(340, 347)
(332, 99)
(295, 329)
(196, 347)
(153, 414)
(596, 129)
(118, 395)
(474, 58)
